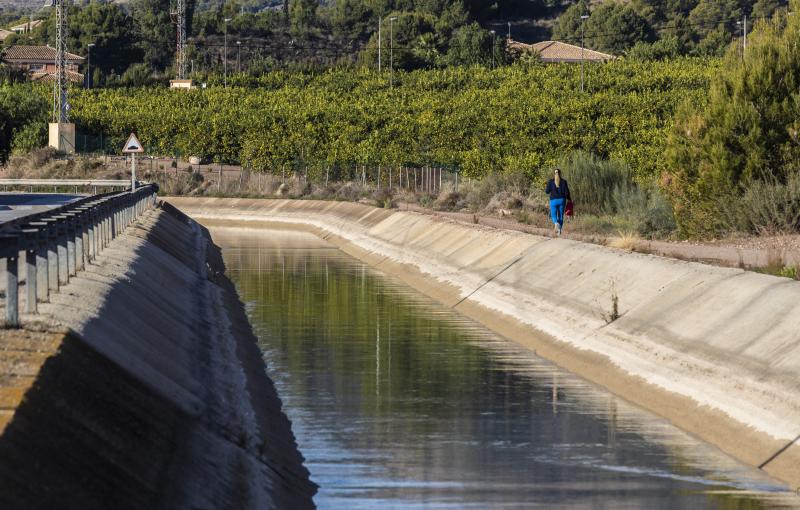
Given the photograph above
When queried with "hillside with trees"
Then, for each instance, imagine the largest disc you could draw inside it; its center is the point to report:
(134, 42)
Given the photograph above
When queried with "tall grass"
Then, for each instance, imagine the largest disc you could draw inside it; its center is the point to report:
(767, 206)
(605, 188)
(593, 181)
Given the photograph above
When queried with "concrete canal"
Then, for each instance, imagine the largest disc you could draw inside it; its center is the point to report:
(400, 402)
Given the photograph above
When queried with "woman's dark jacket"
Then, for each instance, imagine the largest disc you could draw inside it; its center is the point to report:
(558, 191)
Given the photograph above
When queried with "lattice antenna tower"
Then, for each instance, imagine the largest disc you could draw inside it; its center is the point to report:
(60, 104)
(179, 19)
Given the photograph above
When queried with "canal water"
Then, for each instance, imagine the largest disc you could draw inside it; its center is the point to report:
(399, 402)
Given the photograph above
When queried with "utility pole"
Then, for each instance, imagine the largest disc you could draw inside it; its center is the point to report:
(741, 35)
(380, 19)
(493, 45)
(391, 50)
(89, 65)
(583, 18)
(238, 57)
(225, 56)
(744, 39)
(179, 18)
(60, 104)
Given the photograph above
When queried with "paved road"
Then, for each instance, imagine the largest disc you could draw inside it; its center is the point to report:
(16, 205)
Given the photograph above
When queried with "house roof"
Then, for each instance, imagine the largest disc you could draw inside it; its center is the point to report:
(45, 76)
(24, 27)
(557, 51)
(21, 54)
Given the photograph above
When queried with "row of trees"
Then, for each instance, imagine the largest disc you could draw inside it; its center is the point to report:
(734, 162)
(135, 40)
(480, 121)
(659, 28)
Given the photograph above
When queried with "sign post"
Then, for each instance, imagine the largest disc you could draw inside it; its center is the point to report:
(132, 146)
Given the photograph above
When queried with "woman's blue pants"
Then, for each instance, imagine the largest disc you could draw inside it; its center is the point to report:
(557, 211)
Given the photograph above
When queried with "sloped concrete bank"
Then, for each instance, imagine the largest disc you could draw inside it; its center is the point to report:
(140, 385)
(715, 350)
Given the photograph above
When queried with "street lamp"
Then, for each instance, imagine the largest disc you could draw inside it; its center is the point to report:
(391, 50)
(225, 56)
(493, 34)
(89, 65)
(509, 30)
(238, 57)
(583, 18)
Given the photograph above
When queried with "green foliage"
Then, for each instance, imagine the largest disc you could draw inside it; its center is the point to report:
(302, 14)
(766, 207)
(517, 118)
(11, 74)
(605, 188)
(614, 27)
(24, 113)
(667, 47)
(470, 45)
(747, 130)
(696, 27)
(593, 181)
(155, 30)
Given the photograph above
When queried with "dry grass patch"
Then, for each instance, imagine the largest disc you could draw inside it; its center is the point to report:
(626, 240)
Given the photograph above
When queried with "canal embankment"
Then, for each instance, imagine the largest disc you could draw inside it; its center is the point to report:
(715, 350)
(140, 385)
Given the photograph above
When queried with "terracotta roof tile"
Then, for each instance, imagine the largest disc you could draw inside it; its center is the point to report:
(48, 77)
(36, 54)
(557, 51)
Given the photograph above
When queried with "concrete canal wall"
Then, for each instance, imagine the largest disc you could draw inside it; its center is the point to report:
(140, 385)
(715, 350)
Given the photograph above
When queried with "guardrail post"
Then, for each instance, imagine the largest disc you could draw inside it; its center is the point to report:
(63, 253)
(80, 263)
(12, 290)
(106, 226)
(91, 247)
(71, 248)
(113, 222)
(30, 276)
(42, 284)
(53, 266)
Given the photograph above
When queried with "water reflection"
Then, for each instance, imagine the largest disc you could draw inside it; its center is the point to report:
(398, 402)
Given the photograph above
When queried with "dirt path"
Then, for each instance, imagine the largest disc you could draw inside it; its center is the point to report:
(745, 252)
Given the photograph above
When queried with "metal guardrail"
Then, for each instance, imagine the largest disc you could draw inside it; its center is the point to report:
(60, 242)
(75, 183)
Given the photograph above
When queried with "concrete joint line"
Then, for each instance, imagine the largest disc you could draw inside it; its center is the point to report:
(779, 452)
(493, 277)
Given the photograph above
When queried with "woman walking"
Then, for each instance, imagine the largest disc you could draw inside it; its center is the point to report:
(558, 190)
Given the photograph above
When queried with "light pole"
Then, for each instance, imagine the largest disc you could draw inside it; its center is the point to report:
(584, 17)
(238, 57)
(391, 50)
(225, 56)
(493, 34)
(509, 30)
(89, 65)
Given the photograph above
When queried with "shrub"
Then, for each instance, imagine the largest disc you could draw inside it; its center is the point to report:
(766, 207)
(593, 182)
(748, 126)
(647, 210)
(448, 199)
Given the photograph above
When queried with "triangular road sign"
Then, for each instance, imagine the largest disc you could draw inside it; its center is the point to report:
(133, 144)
